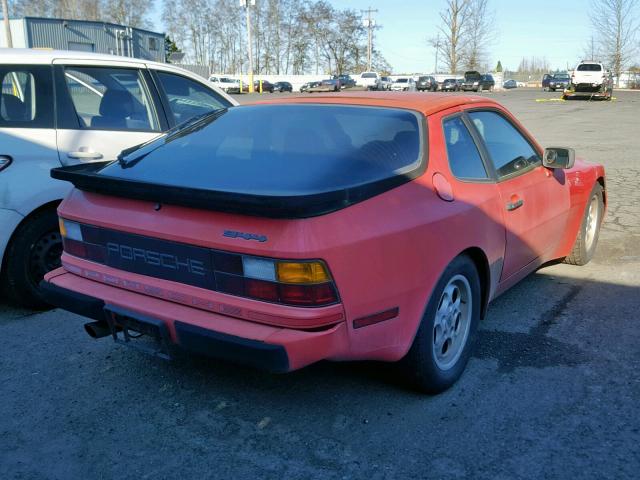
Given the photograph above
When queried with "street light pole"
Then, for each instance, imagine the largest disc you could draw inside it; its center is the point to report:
(246, 4)
(7, 26)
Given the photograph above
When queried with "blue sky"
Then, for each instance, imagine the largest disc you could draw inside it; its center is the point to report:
(555, 29)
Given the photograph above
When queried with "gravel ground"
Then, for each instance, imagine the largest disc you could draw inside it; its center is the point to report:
(552, 390)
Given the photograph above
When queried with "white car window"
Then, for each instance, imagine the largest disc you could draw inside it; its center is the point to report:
(26, 100)
(188, 98)
(111, 99)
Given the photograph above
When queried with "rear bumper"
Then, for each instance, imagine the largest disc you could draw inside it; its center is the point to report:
(265, 347)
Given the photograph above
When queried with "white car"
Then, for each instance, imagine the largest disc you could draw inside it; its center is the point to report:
(370, 81)
(65, 108)
(227, 84)
(403, 84)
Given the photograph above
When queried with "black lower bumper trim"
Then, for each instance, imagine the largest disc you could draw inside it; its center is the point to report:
(75, 302)
(261, 355)
(264, 356)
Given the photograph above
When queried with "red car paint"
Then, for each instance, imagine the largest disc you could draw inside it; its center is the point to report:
(385, 253)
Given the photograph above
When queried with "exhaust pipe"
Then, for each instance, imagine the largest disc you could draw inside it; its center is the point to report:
(97, 329)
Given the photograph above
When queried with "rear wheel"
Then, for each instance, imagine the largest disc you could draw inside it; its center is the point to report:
(442, 346)
(587, 240)
(35, 249)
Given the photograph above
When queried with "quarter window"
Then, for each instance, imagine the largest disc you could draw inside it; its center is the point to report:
(26, 100)
(111, 99)
(188, 98)
(508, 148)
(464, 158)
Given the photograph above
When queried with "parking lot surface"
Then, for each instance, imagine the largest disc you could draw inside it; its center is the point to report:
(551, 392)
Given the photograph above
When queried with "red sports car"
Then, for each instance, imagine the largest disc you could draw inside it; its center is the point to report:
(370, 226)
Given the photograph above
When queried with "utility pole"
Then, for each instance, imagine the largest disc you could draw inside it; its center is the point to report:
(7, 26)
(369, 23)
(246, 4)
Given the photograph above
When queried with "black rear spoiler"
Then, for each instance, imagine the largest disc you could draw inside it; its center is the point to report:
(86, 177)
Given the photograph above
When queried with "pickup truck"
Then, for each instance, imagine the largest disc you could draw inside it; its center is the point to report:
(590, 79)
(370, 81)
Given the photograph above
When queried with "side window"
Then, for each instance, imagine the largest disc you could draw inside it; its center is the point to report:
(111, 99)
(464, 159)
(26, 100)
(509, 150)
(188, 98)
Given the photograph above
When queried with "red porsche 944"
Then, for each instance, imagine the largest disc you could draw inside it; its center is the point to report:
(372, 226)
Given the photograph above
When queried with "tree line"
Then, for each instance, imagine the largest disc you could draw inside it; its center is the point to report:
(288, 36)
(134, 13)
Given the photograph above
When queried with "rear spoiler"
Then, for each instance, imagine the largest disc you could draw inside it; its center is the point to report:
(86, 177)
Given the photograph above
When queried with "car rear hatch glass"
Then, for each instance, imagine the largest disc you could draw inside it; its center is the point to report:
(280, 160)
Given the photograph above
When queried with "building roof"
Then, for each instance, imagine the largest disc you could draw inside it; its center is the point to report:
(425, 103)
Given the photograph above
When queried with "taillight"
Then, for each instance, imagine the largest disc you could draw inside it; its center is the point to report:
(304, 283)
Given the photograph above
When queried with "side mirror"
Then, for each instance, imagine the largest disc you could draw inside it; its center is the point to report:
(559, 157)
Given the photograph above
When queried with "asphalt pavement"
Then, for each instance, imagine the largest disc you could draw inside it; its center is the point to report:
(552, 390)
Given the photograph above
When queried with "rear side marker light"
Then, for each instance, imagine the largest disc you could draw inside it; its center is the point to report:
(376, 318)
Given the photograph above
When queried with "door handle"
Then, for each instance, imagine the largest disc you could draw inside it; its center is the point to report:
(82, 155)
(515, 204)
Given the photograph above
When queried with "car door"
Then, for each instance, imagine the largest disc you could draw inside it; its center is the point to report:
(103, 108)
(535, 199)
(27, 139)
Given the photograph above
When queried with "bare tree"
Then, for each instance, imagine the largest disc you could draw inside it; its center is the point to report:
(133, 13)
(478, 34)
(455, 18)
(616, 26)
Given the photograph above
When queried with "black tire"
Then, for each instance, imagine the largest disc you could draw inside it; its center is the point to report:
(419, 365)
(584, 247)
(34, 250)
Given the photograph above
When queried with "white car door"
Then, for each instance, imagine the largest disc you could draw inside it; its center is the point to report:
(27, 139)
(106, 107)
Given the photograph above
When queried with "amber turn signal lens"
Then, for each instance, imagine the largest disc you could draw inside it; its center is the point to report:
(302, 272)
(63, 228)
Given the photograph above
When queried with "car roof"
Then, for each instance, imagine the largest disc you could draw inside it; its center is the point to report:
(426, 104)
(47, 56)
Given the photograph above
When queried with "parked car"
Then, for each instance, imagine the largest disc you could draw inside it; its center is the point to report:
(459, 82)
(591, 80)
(450, 85)
(265, 85)
(282, 87)
(228, 84)
(426, 83)
(385, 83)
(559, 81)
(308, 85)
(74, 108)
(219, 256)
(345, 81)
(404, 84)
(546, 80)
(326, 85)
(370, 81)
(509, 84)
(476, 82)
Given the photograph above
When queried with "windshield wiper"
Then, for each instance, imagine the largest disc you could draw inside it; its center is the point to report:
(131, 156)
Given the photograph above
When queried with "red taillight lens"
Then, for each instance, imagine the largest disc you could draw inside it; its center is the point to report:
(74, 247)
(261, 290)
(308, 295)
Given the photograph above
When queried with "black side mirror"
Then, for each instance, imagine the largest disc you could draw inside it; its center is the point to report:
(559, 157)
